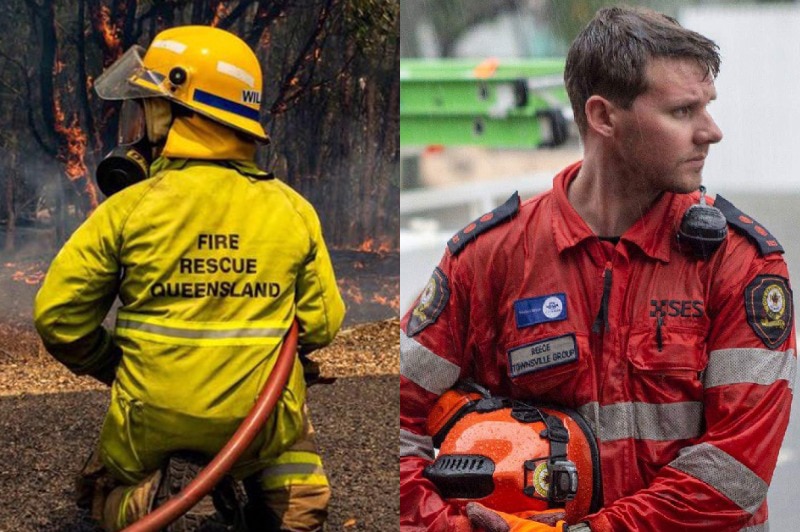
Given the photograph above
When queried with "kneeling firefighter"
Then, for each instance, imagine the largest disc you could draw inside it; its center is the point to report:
(511, 462)
(212, 259)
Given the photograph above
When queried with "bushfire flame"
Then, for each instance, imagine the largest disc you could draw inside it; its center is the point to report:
(109, 32)
(221, 13)
(74, 150)
(32, 274)
(370, 246)
(394, 304)
(350, 290)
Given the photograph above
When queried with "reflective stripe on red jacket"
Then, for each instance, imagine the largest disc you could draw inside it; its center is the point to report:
(686, 381)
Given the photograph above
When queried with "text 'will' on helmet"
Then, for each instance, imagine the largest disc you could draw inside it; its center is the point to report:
(208, 70)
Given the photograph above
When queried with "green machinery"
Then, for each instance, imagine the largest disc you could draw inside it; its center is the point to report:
(491, 103)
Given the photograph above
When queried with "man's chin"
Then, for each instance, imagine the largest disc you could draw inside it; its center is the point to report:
(687, 183)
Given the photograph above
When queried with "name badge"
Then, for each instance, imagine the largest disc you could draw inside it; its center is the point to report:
(542, 355)
(535, 310)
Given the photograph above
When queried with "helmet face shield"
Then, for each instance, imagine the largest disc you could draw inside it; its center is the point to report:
(132, 126)
(128, 78)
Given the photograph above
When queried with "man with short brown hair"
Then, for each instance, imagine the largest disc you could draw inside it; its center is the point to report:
(672, 319)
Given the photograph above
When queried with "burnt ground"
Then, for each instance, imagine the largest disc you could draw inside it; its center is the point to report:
(49, 418)
(45, 438)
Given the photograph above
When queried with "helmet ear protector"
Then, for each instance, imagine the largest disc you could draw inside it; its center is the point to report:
(703, 228)
(512, 456)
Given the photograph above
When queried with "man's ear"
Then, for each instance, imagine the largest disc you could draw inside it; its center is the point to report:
(599, 115)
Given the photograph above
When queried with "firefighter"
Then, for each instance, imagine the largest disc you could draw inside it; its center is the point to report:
(623, 294)
(212, 259)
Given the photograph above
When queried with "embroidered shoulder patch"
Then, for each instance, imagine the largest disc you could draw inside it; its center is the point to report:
(770, 312)
(431, 303)
(485, 222)
(752, 229)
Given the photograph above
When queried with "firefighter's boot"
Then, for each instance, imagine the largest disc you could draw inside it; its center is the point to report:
(220, 511)
(127, 504)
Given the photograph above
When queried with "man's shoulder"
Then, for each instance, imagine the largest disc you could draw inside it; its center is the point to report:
(745, 227)
(496, 224)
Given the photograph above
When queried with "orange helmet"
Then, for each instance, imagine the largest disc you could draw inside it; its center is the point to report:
(512, 456)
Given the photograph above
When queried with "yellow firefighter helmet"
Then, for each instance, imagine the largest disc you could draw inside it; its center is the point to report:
(205, 69)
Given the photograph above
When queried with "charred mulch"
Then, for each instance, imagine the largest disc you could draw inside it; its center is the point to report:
(49, 420)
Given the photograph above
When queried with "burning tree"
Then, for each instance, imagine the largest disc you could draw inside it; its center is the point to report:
(331, 95)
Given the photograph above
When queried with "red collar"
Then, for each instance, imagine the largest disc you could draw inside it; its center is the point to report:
(652, 233)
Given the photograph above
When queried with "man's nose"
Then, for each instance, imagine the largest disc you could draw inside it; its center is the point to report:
(709, 132)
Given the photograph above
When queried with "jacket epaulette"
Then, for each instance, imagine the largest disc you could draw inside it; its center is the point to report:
(746, 225)
(484, 223)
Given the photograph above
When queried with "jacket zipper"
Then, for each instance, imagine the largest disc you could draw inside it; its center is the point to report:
(659, 338)
(601, 321)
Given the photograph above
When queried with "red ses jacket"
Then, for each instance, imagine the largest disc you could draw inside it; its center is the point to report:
(684, 367)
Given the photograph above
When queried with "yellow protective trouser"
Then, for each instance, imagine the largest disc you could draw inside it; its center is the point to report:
(291, 494)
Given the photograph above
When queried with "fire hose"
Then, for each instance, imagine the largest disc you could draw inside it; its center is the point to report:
(228, 455)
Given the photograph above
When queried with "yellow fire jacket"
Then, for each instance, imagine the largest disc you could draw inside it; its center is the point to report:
(211, 261)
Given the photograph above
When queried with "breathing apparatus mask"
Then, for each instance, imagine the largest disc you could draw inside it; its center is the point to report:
(145, 117)
(142, 130)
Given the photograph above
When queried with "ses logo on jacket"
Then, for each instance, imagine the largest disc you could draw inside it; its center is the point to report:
(683, 308)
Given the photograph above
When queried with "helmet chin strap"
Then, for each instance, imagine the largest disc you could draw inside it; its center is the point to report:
(562, 473)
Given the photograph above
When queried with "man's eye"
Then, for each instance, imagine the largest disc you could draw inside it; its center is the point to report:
(682, 112)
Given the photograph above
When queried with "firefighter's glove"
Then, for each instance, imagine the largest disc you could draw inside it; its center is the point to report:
(106, 372)
(483, 518)
(95, 354)
(311, 372)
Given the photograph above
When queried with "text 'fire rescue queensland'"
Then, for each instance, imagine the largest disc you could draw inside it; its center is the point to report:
(228, 264)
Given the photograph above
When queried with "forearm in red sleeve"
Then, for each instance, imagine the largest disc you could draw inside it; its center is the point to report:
(720, 483)
(421, 507)
(424, 376)
(431, 362)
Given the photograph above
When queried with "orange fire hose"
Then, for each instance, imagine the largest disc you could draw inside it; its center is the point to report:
(241, 439)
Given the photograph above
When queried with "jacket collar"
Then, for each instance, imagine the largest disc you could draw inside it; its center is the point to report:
(246, 168)
(653, 233)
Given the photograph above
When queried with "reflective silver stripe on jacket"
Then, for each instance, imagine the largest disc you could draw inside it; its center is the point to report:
(176, 332)
(415, 445)
(750, 365)
(425, 368)
(724, 473)
(173, 331)
(645, 421)
(762, 527)
(293, 469)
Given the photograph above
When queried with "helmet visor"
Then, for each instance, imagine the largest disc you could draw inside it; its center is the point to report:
(128, 78)
(132, 125)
